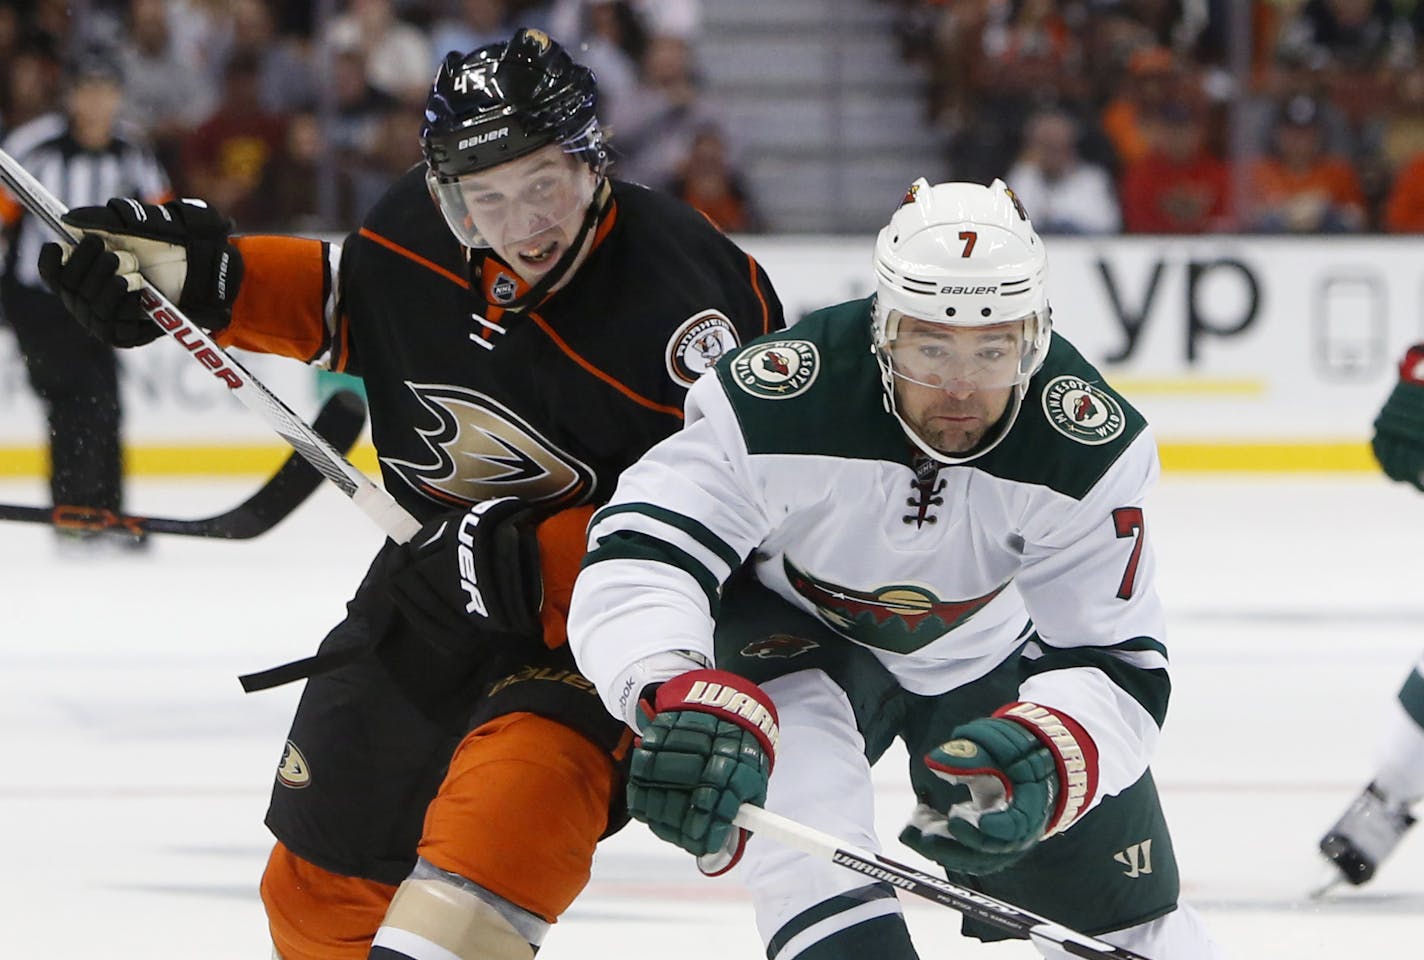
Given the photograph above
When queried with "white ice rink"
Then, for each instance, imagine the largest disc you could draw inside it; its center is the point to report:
(136, 772)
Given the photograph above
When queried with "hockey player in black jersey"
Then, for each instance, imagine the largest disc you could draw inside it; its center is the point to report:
(526, 328)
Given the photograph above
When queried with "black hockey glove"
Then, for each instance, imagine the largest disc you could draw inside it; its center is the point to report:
(472, 577)
(1398, 442)
(180, 247)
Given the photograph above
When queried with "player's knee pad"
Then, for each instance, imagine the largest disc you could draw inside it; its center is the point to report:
(438, 916)
(520, 812)
(314, 914)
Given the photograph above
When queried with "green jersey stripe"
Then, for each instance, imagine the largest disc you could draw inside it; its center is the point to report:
(631, 545)
(687, 525)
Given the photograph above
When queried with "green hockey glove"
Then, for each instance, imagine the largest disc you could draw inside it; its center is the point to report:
(1399, 429)
(707, 747)
(1013, 767)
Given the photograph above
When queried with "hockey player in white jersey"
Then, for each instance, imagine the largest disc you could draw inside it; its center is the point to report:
(920, 516)
(1374, 823)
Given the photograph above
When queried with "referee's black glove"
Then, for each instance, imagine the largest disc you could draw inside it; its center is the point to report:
(180, 247)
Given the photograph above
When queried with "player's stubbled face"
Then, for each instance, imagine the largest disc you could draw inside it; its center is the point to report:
(528, 210)
(952, 410)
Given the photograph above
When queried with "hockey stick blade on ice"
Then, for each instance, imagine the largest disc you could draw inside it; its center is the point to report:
(370, 498)
(339, 422)
(1005, 916)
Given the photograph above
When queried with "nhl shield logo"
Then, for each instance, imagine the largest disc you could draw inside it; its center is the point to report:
(698, 344)
(503, 288)
(1081, 411)
(776, 371)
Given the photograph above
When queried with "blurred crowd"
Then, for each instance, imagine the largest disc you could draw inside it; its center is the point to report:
(1183, 116)
(297, 115)
(1169, 116)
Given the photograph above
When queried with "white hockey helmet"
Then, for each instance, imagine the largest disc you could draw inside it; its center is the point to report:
(962, 254)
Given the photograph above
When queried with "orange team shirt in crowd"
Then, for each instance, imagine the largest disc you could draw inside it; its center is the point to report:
(1123, 127)
(1404, 210)
(1333, 177)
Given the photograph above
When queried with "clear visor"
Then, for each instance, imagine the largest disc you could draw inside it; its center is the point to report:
(956, 356)
(493, 209)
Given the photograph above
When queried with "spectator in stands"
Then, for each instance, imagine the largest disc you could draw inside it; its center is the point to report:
(9, 30)
(397, 54)
(293, 178)
(395, 147)
(466, 25)
(31, 81)
(286, 78)
(202, 35)
(1028, 59)
(55, 18)
(1179, 186)
(1404, 207)
(1295, 73)
(1153, 81)
(164, 95)
(353, 123)
(612, 39)
(1361, 42)
(1401, 135)
(1299, 187)
(663, 115)
(226, 158)
(1062, 192)
(673, 18)
(710, 183)
(1352, 35)
(949, 52)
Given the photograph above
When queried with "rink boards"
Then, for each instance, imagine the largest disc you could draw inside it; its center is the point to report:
(1244, 353)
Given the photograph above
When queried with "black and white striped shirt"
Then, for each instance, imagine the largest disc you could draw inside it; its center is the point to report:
(79, 177)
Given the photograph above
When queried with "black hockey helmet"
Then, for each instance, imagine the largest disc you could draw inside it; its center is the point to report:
(506, 100)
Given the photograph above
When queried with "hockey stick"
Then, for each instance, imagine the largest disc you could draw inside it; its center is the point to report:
(340, 422)
(1015, 920)
(370, 498)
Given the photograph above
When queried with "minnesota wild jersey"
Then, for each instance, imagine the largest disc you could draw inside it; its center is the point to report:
(789, 461)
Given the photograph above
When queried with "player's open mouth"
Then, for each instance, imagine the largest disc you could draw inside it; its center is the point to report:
(539, 253)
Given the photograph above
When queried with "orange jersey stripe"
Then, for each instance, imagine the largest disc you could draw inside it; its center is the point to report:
(279, 308)
(414, 257)
(756, 288)
(606, 378)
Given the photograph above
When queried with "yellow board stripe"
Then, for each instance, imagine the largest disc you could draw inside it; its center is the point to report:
(163, 461)
(1348, 456)
(1272, 457)
(1131, 387)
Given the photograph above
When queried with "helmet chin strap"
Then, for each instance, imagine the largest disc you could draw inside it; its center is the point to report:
(603, 196)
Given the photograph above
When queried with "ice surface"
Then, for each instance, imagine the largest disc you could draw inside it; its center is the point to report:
(136, 771)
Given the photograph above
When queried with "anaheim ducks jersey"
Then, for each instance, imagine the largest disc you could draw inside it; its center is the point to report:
(790, 461)
(470, 400)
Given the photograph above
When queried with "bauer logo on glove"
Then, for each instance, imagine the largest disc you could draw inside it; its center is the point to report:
(181, 248)
(472, 576)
